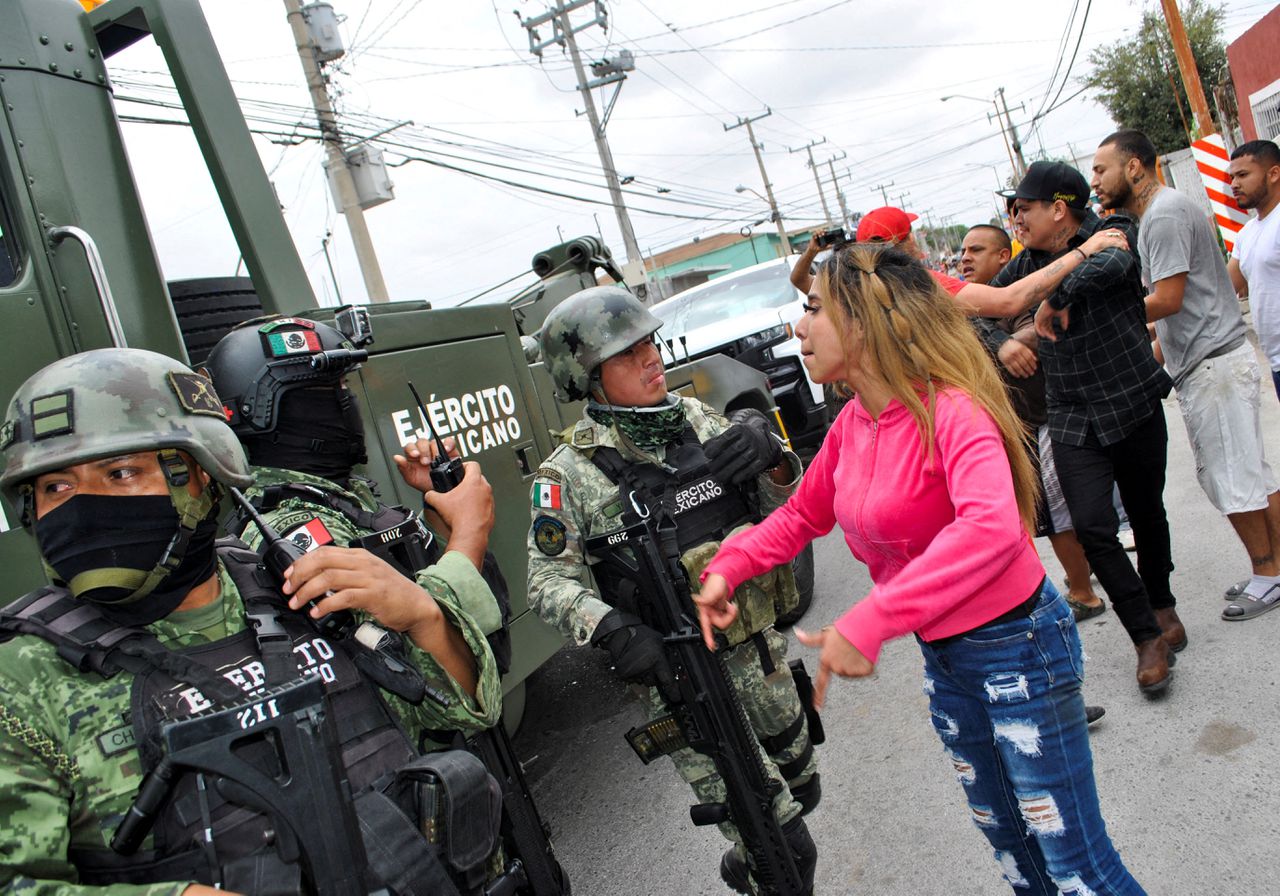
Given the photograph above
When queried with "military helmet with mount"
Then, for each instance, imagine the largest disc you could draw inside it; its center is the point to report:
(115, 401)
(255, 364)
(587, 329)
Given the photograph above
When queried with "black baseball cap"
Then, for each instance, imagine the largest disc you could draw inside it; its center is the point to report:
(1049, 181)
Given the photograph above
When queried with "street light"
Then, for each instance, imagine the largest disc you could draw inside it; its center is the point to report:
(1000, 186)
(742, 188)
(1019, 166)
(784, 243)
(775, 215)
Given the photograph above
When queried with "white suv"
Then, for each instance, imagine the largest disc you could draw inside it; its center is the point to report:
(751, 315)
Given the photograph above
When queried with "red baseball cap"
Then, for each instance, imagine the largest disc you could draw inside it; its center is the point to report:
(887, 224)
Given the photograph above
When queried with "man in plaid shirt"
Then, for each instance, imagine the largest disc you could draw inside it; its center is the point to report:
(1106, 422)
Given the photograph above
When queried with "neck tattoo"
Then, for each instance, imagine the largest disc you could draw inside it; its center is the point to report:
(1144, 196)
(1061, 238)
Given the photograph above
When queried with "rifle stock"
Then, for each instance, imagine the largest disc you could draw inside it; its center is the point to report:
(710, 717)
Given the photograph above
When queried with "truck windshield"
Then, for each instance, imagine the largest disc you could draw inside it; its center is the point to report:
(721, 299)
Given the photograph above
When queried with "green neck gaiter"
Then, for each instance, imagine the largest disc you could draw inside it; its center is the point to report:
(648, 428)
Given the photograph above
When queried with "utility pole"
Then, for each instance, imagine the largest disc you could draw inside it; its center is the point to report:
(926, 237)
(884, 191)
(844, 209)
(784, 247)
(1013, 133)
(564, 34)
(808, 148)
(367, 258)
(1187, 67)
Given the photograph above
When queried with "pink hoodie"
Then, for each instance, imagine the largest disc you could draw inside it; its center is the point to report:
(942, 540)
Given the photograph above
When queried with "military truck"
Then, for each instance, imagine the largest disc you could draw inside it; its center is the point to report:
(78, 271)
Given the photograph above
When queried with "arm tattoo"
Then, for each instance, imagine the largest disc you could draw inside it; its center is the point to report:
(1041, 288)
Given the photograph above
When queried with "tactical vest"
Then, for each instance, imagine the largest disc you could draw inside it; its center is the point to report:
(405, 549)
(380, 762)
(525, 837)
(706, 512)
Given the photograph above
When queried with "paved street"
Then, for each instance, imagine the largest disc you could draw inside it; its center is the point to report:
(1188, 782)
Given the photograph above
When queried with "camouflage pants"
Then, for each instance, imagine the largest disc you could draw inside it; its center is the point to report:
(772, 708)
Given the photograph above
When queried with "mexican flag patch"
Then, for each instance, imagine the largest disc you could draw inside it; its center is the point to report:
(293, 342)
(546, 495)
(310, 536)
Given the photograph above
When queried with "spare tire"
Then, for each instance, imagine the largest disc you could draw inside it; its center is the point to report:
(209, 308)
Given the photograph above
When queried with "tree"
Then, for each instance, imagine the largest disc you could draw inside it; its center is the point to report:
(1137, 78)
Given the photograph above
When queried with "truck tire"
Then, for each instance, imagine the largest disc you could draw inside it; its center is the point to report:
(802, 566)
(209, 308)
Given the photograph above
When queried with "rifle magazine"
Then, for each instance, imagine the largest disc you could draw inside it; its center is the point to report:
(661, 737)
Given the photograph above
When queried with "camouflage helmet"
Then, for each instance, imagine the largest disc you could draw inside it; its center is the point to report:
(587, 329)
(258, 362)
(115, 401)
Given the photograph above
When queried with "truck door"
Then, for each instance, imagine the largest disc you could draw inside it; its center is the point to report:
(469, 368)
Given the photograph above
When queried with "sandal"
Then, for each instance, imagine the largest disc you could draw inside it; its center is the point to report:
(1084, 611)
(1246, 606)
(1236, 590)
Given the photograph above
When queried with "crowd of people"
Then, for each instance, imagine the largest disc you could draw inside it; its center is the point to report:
(938, 470)
(179, 713)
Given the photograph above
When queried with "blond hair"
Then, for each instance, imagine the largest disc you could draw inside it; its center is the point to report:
(920, 340)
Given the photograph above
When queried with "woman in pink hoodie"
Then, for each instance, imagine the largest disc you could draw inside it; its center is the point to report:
(926, 474)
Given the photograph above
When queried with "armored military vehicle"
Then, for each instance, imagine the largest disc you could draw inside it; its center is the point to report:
(78, 270)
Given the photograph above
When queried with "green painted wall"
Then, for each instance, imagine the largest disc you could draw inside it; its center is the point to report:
(761, 247)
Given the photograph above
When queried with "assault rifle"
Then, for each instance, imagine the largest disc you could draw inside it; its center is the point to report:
(707, 714)
(314, 816)
(533, 870)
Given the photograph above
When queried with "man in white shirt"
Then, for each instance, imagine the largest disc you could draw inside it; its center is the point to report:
(1214, 368)
(1255, 261)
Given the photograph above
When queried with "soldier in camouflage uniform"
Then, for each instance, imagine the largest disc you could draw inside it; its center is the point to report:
(115, 458)
(295, 415)
(598, 345)
(301, 429)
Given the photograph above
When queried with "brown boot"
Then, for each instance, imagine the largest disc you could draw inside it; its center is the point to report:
(1154, 660)
(1175, 634)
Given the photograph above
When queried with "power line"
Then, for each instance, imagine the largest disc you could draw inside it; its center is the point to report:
(1062, 52)
(725, 74)
(1039, 116)
(740, 15)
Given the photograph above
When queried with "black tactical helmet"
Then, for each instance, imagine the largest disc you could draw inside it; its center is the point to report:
(258, 362)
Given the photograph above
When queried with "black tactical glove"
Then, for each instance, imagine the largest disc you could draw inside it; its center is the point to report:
(744, 450)
(637, 651)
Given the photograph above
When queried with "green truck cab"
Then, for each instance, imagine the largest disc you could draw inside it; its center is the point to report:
(78, 271)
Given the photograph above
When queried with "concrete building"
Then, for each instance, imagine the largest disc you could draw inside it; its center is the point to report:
(1255, 73)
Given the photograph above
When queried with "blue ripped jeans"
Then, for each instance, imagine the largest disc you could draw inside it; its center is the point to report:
(1007, 704)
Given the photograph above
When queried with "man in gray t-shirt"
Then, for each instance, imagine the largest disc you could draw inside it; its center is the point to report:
(1214, 368)
(1176, 242)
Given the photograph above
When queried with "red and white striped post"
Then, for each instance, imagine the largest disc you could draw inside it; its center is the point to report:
(1211, 158)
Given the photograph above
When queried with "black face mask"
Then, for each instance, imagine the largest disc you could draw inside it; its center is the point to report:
(99, 532)
(318, 431)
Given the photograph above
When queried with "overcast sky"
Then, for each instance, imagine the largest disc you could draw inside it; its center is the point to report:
(865, 77)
